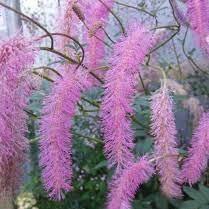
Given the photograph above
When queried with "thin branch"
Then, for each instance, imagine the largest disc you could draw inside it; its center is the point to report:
(95, 104)
(71, 38)
(30, 19)
(191, 60)
(177, 58)
(59, 53)
(174, 34)
(108, 36)
(88, 29)
(43, 76)
(115, 16)
(171, 27)
(146, 91)
(136, 8)
(166, 41)
(97, 77)
(47, 68)
(31, 113)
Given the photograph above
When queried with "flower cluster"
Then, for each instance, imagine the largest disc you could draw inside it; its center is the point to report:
(56, 138)
(166, 153)
(120, 85)
(16, 55)
(198, 15)
(96, 19)
(196, 163)
(123, 189)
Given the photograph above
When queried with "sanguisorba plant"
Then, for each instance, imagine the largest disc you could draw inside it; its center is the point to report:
(120, 88)
(16, 56)
(198, 17)
(128, 54)
(164, 132)
(56, 138)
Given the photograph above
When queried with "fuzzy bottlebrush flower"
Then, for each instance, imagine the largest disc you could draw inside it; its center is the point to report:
(16, 55)
(68, 22)
(96, 18)
(124, 188)
(164, 131)
(198, 13)
(56, 139)
(120, 83)
(93, 15)
(196, 162)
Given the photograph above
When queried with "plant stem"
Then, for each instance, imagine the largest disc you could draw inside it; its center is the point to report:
(116, 17)
(177, 58)
(136, 8)
(30, 19)
(47, 68)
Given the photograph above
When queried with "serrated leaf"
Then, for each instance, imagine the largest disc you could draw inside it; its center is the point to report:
(204, 191)
(204, 207)
(190, 204)
(175, 202)
(196, 195)
(161, 202)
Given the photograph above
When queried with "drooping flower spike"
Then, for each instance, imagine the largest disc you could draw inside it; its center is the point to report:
(96, 19)
(198, 13)
(124, 188)
(120, 83)
(198, 154)
(68, 24)
(16, 56)
(56, 138)
(165, 149)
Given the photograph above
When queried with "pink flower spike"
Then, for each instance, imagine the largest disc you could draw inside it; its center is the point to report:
(96, 17)
(196, 163)
(165, 150)
(124, 188)
(120, 87)
(198, 13)
(56, 138)
(68, 23)
(16, 55)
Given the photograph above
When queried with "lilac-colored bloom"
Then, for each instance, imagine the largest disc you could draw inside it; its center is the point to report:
(198, 13)
(120, 83)
(196, 163)
(68, 23)
(16, 55)
(124, 188)
(56, 138)
(96, 13)
(166, 153)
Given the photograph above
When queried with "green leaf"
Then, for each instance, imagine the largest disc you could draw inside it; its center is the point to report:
(100, 165)
(196, 195)
(175, 202)
(190, 204)
(161, 202)
(204, 191)
(204, 207)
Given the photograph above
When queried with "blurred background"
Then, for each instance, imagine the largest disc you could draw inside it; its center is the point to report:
(189, 84)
